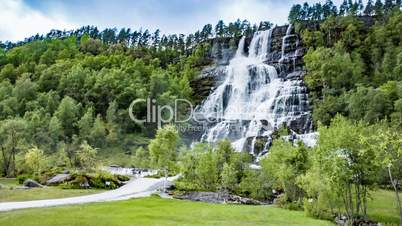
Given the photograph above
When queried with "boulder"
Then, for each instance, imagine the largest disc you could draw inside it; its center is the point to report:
(32, 184)
(58, 179)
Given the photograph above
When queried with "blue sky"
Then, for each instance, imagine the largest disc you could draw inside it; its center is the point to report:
(24, 18)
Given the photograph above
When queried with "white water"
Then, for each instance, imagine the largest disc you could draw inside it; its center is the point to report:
(252, 100)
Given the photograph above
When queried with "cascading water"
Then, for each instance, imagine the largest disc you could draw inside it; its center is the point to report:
(253, 100)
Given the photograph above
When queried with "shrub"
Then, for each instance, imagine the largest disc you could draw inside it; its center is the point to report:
(312, 208)
(21, 178)
(104, 180)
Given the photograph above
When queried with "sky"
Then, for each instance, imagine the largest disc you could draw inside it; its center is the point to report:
(23, 18)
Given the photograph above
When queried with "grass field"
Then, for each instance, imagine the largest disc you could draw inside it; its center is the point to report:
(10, 193)
(156, 211)
(382, 207)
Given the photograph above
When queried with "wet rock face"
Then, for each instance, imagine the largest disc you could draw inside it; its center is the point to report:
(222, 50)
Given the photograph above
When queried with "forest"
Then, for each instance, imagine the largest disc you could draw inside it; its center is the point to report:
(64, 100)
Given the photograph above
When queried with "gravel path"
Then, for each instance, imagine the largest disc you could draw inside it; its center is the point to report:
(136, 188)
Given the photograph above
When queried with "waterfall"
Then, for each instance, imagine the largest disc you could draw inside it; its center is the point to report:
(253, 100)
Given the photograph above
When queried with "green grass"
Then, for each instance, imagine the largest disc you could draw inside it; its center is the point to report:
(10, 193)
(157, 211)
(8, 182)
(382, 207)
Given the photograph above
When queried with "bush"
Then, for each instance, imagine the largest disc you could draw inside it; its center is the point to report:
(105, 180)
(284, 202)
(21, 178)
(312, 208)
(100, 180)
(186, 186)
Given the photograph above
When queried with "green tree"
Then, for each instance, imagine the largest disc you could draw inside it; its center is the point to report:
(8, 72)
(85, 124)
(345, 155)
(67, 113)
(86, 156)
(368, 11)
(141, 158)
(295, 13)
(378, 8)
(286, 163)
(207, 175)
(228, 177)
(55, 131)
(389, 141)
(112, 123)
(12, 136)
(98, 132)
(35, 160)
(162, 149)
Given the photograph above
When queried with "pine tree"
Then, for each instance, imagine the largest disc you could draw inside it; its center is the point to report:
(295, 13)
(368, 11)
(378, 8)
(306, 12)
(398, 4)
(343, 9)
(388, 5)
(220, 29)
(360, 7)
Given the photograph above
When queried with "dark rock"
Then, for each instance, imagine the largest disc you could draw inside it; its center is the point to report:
(217, 197)
(365, 222)
(58, 179)
(32, 184)
(343, 221)
(223, 49)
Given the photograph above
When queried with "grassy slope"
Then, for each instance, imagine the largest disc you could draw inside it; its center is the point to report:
(156, 211)
(11, 194)
(382, 207)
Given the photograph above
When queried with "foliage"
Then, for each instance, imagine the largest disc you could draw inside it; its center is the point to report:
(163, 149)
(286, 163)
(36, 160)
(354, 70)
(86, 156)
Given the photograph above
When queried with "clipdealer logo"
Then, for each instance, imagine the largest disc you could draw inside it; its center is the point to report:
(160, 114)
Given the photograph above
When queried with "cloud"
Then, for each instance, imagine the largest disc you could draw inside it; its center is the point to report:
(253, 10)
(18, 21)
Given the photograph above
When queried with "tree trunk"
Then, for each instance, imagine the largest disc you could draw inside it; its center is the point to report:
(398, 200)
(165, 181)
(357, 188)
(6, 162)
(365, 201)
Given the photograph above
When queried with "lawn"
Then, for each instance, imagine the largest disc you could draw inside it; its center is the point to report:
(10, 193)
(382, 207)
(156, 211)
